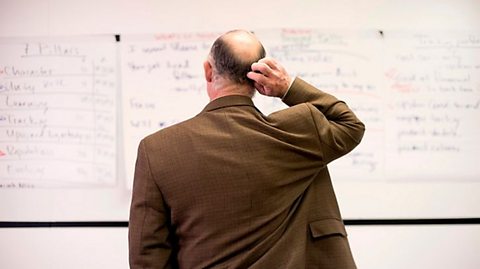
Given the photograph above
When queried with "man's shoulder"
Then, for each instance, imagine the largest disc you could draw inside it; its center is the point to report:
(171, 130)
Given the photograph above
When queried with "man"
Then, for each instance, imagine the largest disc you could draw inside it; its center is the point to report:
(233, 188)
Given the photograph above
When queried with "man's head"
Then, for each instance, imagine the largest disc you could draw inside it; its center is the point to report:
(229, 61)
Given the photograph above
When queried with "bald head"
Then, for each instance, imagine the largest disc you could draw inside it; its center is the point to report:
(243, 44)
(233, 53)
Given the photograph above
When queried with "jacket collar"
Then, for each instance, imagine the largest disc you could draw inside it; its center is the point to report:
(227, 101)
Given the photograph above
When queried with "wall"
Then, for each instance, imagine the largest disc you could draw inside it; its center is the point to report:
(430, 246)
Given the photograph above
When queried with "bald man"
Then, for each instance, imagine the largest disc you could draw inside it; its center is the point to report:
(233, 188)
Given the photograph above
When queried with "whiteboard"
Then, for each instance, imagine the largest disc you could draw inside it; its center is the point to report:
(417, 93)
(58, 129)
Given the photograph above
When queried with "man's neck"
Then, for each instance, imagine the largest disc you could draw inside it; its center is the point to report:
(226, 89)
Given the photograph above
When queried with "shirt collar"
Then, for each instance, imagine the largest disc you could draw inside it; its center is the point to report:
(227, 101)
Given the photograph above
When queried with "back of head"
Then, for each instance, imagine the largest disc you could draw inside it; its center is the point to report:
(233, 53)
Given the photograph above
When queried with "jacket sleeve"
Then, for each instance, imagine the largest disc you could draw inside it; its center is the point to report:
(149, 232)
(339, 130)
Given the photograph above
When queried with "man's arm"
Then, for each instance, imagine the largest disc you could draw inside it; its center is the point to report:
(338, 129)
(148, 229)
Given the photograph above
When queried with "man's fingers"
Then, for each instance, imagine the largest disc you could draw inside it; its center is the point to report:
(259, 88)
(270, 77)
(257, 77)
(254, 76)
(257, 81)
(270, 62)
(263, 68)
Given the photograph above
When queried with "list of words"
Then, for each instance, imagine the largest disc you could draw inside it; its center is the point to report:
(58, 113)
(433, 86)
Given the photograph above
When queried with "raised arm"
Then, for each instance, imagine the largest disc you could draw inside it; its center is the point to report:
(339, 130)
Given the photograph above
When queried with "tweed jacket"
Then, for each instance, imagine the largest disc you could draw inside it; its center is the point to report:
(233, 188)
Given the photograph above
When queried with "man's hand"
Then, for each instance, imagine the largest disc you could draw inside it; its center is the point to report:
(270, 78)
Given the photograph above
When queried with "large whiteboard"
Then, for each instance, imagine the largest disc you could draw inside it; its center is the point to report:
(418, 94)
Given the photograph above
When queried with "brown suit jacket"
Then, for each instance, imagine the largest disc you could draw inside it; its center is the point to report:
(233, 188)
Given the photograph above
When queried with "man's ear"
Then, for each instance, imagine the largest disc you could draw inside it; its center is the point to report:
(207, 67)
